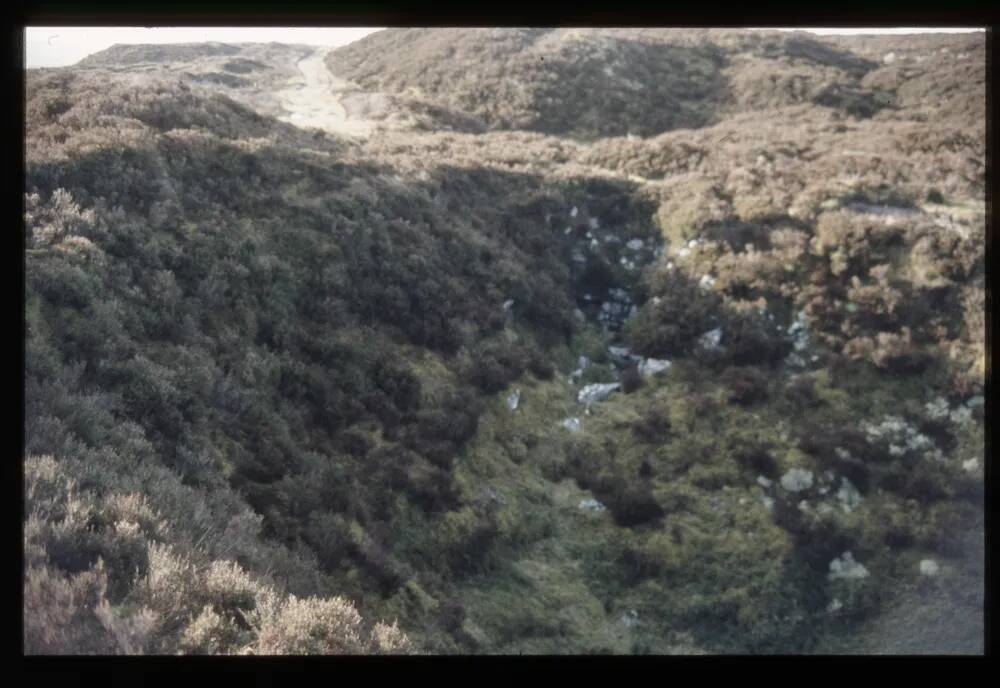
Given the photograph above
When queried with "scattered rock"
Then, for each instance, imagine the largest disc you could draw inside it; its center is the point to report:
(514, 400)
(848, 496)
(844, 567)
(630, 618)
(929, 567)
(793, 360)
(622, 356)
(970, 466)
(591, 505)
(764, 482)
(797, 479)
(799, 332)
(901, 438)
(706, 282)
(635, 244)
(653, 366)
(597, 392)
(614, 313)
(937, 409)
(572, 424)
(961, 415)
(710, 340)
(508, 304)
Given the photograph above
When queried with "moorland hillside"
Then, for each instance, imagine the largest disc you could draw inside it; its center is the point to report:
(532, 341)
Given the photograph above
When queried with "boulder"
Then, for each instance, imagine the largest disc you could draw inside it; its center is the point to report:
(653, 366)
(844, 567)
(797, 479)
(848, 496)
(710, 340)
(572, 424)
(514, 399)
(597, 392)
(929, 567)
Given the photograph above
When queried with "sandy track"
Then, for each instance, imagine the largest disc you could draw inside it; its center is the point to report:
(314, 99)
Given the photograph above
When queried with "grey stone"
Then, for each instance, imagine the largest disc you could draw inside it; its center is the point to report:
(653, 366)
(797, 479)
(711, 339)
(571, 424)
(514, 399)
(845, 568)
(597, 392)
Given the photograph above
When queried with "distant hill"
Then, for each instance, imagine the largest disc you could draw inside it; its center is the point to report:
(120, 55)
(608, 82)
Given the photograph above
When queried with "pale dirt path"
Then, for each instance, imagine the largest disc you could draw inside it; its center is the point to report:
(314, 99)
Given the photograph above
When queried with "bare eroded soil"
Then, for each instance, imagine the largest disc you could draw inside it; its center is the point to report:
(315, 99)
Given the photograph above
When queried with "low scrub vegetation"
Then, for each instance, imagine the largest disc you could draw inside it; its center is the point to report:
(695, 365)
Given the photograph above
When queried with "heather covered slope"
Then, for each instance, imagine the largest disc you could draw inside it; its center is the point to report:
(611, 82)
(286, 387)
(250, 73)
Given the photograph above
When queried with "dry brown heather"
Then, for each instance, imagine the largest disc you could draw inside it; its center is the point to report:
(270, 371)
